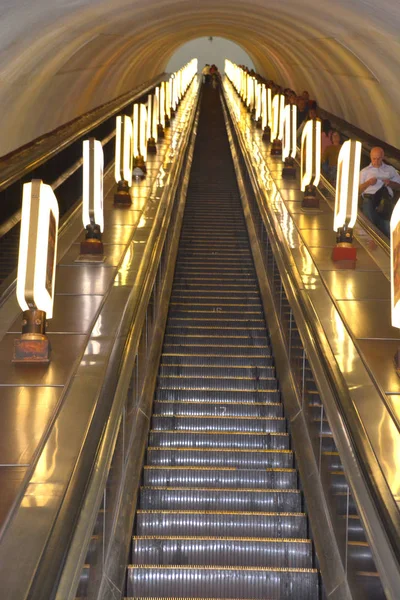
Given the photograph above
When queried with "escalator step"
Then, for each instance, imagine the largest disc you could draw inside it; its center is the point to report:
(217, 383)
(215, 424)
(210, 371)
(246, 341)
(193, 457)
(219, 477)
(242, 552)
(219, 440)
(208, 523)
(220, 395)
(204, 360)
(210, 409)
(263, 500)
(218, 582)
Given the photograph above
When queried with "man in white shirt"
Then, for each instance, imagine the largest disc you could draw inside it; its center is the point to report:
(372, 179)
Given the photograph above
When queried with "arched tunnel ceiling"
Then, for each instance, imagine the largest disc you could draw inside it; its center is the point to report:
(60, 58)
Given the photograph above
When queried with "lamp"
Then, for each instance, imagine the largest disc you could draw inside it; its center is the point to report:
(92, 200)
(139, 140)
(160, 93)
(36, 270)
(152, 110)
(395, 275)
(346, 200)
(123, 160)
(289, 141)
(266, 111)
(310, 162)
(278, 106)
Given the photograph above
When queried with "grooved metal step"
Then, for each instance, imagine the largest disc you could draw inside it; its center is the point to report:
(220, 383)
(209, 457)
(234, 582)
(242, 552)
(220, 395)
(215, 371)
(204, 360)
(219, 440)
(227, 339)
(220, 499)
(209, 523)
(216, 424)
(219, 477)
(211, 409)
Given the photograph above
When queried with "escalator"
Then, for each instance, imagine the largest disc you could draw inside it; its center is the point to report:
(220, 511)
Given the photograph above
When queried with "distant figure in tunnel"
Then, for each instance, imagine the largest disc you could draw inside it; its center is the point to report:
(206, 74)
(378, 182)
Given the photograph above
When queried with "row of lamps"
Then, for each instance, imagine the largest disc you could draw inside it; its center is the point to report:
(37, 258)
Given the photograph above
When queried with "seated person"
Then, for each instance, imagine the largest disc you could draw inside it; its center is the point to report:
(330, 157)
(376, 181)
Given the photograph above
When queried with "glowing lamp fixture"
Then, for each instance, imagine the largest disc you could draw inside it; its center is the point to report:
(151, 134)
(123, 150)
(278, 106)
(92, 196)
(37, 248)
(139, 139)
(311, 154)
(160, 92)
(36, 270)
(167, 102)
(257, 105)
(346, 200)
(289, 131)
(394, 269)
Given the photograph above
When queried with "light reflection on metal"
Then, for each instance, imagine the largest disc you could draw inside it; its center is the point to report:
(288, 226)
(348, 175)
(347, 356)
(37, 248)
(310, 172)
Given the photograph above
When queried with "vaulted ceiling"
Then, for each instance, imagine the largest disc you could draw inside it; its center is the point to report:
(60, 58)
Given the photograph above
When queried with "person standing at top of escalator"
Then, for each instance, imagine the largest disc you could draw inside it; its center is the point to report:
(206, 73)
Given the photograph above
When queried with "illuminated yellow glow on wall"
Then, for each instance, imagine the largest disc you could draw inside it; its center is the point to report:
(37, 248)
(348, 176)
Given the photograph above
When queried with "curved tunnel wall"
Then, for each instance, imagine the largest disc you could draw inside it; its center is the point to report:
(60, 59)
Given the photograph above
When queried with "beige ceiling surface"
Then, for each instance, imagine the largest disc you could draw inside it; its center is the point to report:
(60, 58)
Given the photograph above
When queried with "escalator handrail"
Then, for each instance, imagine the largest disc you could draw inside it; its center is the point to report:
(383, 522)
